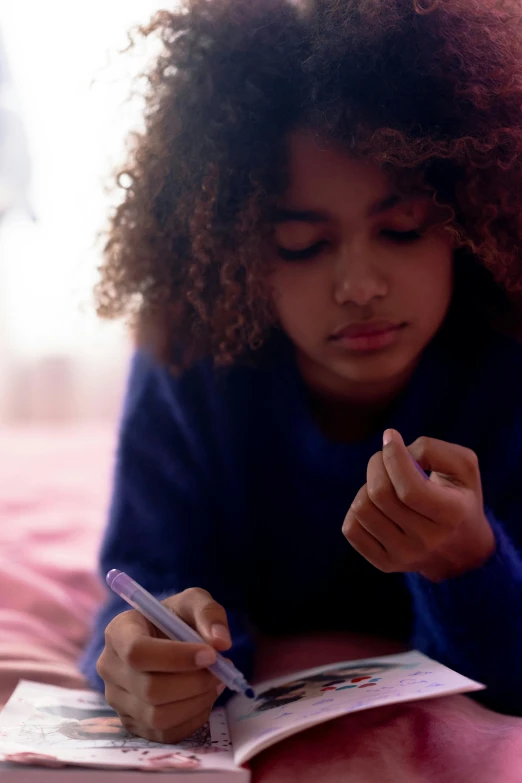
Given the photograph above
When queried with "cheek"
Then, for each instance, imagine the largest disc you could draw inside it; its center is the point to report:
(298, 290)
(429, 284)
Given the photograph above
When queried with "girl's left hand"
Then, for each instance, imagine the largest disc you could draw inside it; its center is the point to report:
(402, 520)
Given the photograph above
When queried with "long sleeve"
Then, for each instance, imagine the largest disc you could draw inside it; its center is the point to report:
(165, 518)
(472, 622)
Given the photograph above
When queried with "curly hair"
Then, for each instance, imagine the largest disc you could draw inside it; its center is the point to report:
(429, 89)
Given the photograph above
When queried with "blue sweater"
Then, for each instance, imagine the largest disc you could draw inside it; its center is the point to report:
(224, 481)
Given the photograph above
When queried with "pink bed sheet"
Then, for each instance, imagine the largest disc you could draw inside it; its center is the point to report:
(446, 740)
(53, 498)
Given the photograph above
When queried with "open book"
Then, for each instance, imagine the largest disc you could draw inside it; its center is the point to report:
(50, 726)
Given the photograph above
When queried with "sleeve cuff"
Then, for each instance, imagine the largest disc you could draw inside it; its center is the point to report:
(503, 569)
(465, 618)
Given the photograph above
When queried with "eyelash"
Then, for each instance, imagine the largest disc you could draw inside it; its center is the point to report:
(301, 255)
(400, 237)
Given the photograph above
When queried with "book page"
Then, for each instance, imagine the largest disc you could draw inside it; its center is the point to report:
(50, 725)
(290, 704)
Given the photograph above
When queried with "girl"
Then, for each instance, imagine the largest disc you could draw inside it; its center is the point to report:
(319, 246)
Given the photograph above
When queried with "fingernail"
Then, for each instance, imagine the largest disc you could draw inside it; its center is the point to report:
(220, 689)
(387, 437)
(205, 658)
(220, 633)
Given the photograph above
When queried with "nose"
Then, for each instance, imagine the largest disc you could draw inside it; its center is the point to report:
(358, 279)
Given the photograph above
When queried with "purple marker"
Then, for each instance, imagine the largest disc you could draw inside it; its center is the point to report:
(423, 474)
(173, 627)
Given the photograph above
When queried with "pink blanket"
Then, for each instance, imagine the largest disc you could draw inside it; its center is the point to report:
(446, 740)
(53, 493)
(53, 496)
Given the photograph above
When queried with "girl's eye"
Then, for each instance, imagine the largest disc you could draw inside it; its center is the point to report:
(401, 237)
(301, 255)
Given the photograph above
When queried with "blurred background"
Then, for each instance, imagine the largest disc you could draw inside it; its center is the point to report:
(65, 111)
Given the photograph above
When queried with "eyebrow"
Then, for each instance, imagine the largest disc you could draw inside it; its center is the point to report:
(299, 216)
(312, 216)
(385, 204)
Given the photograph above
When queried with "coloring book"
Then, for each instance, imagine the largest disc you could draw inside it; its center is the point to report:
(52, 727)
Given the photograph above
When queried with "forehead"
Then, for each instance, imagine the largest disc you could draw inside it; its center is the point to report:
(325, 176)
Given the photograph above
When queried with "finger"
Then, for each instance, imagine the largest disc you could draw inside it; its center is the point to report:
(174, 734)
(158, 688)
(456, 465)
(381, 527)
(144, 653)
(381, 493)
(417, 492)
(157, 718)
(364, 543)
(404, 551)
(206, 616)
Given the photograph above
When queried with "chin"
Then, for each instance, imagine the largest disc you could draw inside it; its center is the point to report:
(376, 368)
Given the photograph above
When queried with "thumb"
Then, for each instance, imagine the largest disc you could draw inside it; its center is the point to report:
(197, 608)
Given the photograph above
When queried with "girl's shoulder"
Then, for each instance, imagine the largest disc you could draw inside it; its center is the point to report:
(501, 366)
(203, 390)
(151, 382)
(492, 408)
(486, 361)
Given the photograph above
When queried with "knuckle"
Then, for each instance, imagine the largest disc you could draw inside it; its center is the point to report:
(470, 459)
(166, 736)
(109, 698)
(193, 594)
(409, 496)
(133, 656)
(149, 690)
(115, 623)
(101, 665)
(213, 608)
(378, 492)
(422, 445)
(157, 719)
(171, 735)
(194, 601)
(358, 505)
(109, 633)
(204, 701)
(347, 526)
(375, 461)
(352, 530)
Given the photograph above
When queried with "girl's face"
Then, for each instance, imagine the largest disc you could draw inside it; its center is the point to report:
(360, 285)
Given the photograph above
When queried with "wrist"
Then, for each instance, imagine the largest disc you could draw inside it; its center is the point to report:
(459, 557)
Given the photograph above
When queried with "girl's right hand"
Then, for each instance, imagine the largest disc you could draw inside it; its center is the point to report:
(162, 689)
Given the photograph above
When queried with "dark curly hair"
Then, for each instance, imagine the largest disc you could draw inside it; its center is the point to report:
(430, 90)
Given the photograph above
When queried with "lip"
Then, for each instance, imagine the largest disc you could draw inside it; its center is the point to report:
(367, 337)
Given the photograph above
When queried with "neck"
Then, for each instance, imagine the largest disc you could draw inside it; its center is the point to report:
(346, 409)
(335, 388)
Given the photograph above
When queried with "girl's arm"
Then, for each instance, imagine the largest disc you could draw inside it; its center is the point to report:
(472, 622)
(459, 548)
(165, 525)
